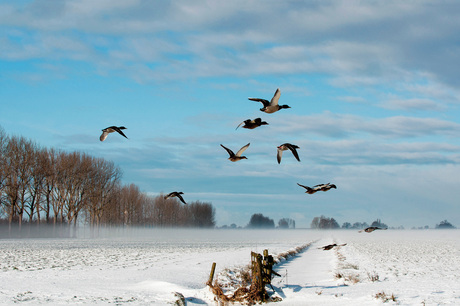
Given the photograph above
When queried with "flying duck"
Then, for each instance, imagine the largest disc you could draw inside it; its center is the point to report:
(252, 124)
(175, 194)
(320, 187)
(330, 246)
(236, 157)
(371, 229)
(272, 105)
(111, 129)
(284, 147)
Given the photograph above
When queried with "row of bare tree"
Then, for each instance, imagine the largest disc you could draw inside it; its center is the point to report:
(39, 185)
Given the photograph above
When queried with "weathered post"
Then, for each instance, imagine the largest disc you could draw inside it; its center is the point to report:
(258, 284)
(211, 276)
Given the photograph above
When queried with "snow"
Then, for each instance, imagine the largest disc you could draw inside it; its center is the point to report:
(148, 267)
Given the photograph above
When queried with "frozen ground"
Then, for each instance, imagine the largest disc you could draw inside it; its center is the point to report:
(147, 267)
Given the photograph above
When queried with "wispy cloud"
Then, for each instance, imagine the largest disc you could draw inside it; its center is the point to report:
(343, 125)
(364, 40)
(414, 105)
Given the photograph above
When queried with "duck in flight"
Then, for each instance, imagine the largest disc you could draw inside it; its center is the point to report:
(111, 129)
(320, 187)
(284, 147)
(252, 124)
(370, 229)
(330, 246)
(236, 157)
(272, 105)
(175, 194)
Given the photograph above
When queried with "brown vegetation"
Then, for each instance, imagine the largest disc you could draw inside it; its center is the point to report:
(248, 288)
(385, 297)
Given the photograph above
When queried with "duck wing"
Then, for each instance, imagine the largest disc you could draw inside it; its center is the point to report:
(264, 102)
(244, 122)
(279, 154)
(240, 151)
(293, 150)
(306, 187)
(240, 125)
(276, 97)
(230, 152)
(180, 198)
(104, 135)
(168, 195)
(119, 130)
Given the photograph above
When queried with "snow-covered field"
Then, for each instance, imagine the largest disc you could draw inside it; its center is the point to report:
(146, 267)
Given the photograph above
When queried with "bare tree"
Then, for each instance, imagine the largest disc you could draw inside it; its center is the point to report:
(105, 179)
(18, 165)
(202, 214)
(3, 167)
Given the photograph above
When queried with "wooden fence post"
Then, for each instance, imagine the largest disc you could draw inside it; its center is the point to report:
(211, 276)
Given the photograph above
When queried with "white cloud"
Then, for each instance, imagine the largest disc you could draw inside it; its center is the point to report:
(343, 125)
(350, 41)
(413, 104)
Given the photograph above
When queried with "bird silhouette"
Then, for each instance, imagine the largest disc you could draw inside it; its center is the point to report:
(330, 246)
(236, 157)
(284, 147)
(252, 124)
(316, 188)
(175, 194)
(370, 229)
(111, 129)
(272, 105)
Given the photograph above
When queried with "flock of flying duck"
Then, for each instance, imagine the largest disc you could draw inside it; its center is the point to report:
(269, 107)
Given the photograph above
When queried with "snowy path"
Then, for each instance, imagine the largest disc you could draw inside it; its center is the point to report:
(309, 279)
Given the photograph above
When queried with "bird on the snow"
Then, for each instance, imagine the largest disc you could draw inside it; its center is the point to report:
(330, 246)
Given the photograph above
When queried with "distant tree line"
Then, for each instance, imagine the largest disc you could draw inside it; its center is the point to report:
(324, 223)
(260, 221)
(330, 223)
(361, 225)
(445, 225)
(48, 186)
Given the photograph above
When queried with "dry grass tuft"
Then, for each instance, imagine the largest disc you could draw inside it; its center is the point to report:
(352, 278)
(373, 277)
(385, 297)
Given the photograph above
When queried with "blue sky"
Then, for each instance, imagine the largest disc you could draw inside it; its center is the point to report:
(373, 90)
